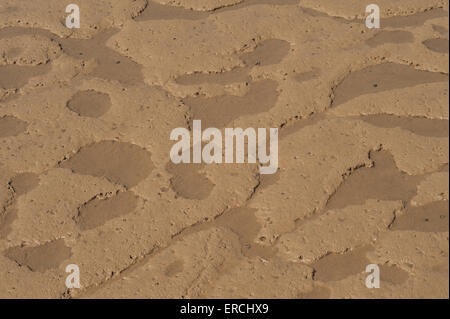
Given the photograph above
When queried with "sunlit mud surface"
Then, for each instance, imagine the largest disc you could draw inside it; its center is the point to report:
(86, 177)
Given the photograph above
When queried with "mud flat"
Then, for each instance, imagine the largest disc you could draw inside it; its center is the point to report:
(86, 176)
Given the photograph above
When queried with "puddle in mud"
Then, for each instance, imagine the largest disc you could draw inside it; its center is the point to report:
(299, 124)
(9, 216)
(11, 126)
(431, 217)
(333, 267)
(11, 32)
(243, 222)
(119, 162)
(267, 180)
(437, 45)
(267, 52)
(383, 181)
(441, 30)
(395, 37)
(111, 65)
(16, 76)
(24, 182)
(89, 103)
(442, 268)
(318, 292)
(40, 258)
(13, 53)
(218, 111)
(174, 268)
(307, 76)
(393, 274)
(382, 77)
(188, 182)
(98, 211)
(416, 125)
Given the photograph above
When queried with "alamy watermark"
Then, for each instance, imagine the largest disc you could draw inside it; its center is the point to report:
(212, 151)
(373, 19)
(73, 19)
(373, 280)
(73, 279)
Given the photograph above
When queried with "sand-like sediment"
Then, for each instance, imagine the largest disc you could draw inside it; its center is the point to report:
(86, 176)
